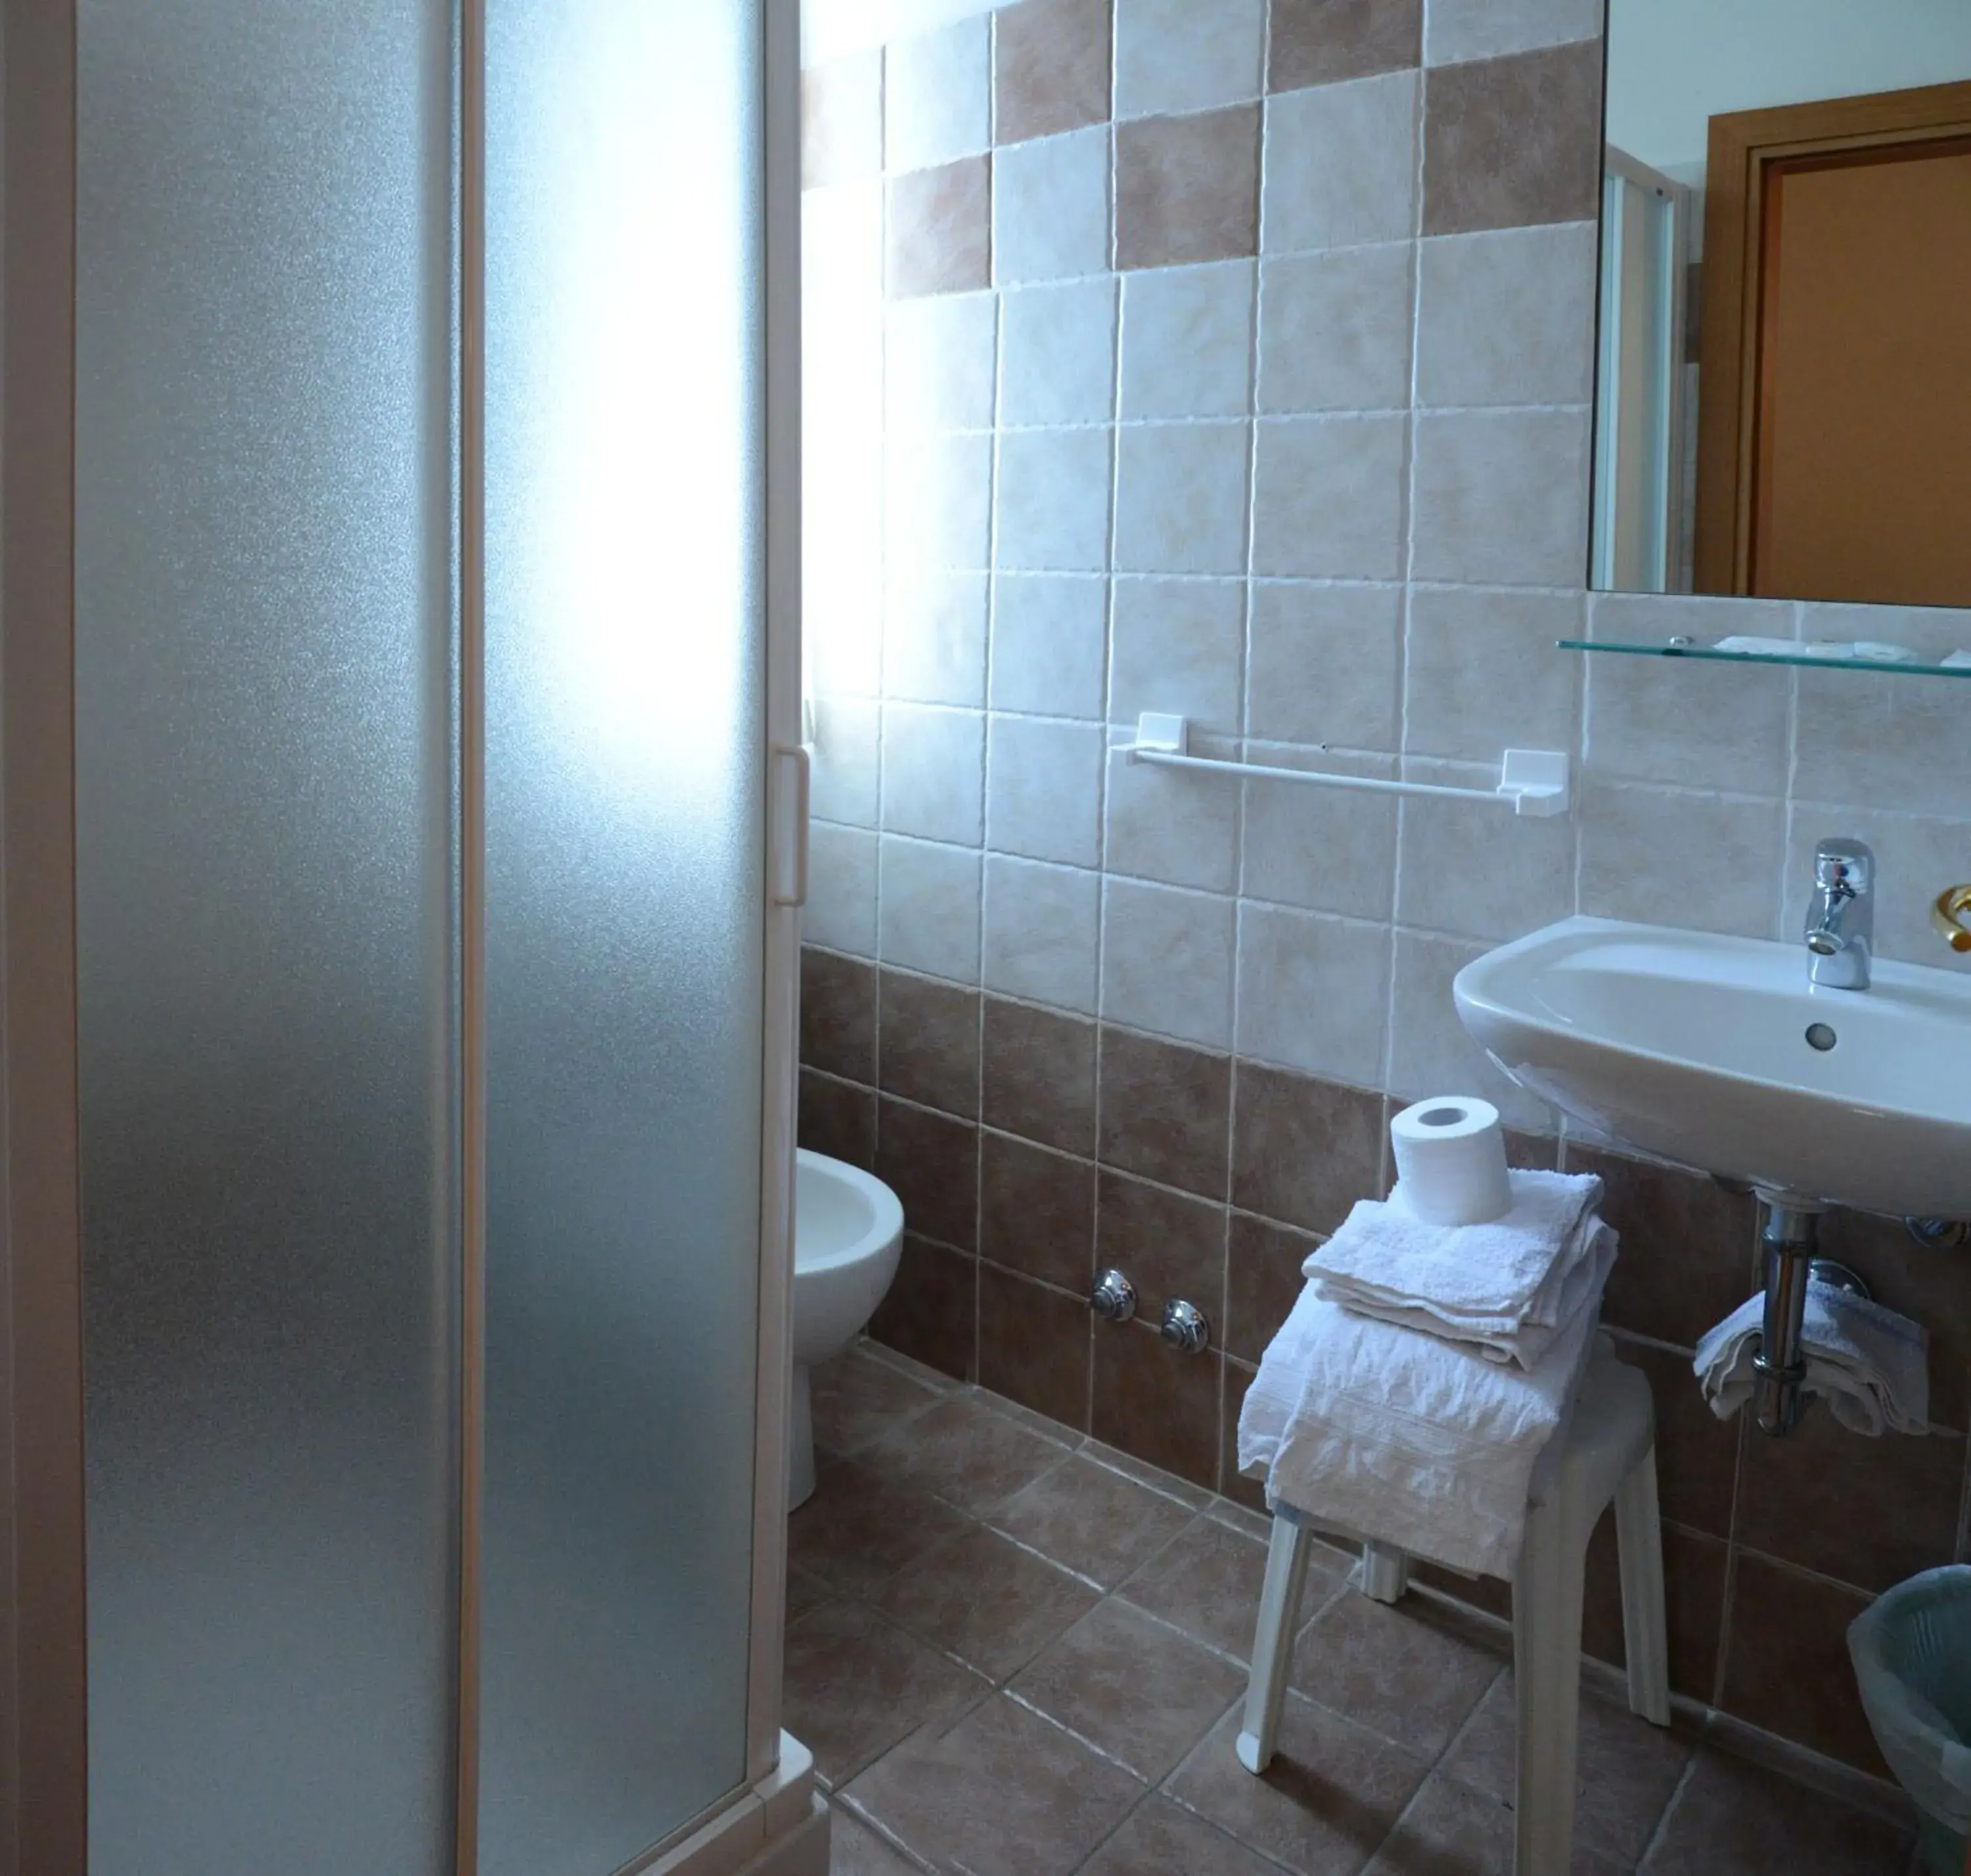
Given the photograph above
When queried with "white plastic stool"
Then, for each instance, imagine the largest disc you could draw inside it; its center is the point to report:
(1606, 1453)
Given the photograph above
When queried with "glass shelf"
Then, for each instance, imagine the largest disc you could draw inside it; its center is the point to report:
(1804, 660)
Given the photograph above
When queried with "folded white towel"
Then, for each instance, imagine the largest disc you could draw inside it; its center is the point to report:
(1411, 1440)
(1576, 1280)
(1870, 1365)
(1486, 1279)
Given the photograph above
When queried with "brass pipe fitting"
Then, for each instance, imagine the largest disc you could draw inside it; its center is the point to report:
(1949, 916)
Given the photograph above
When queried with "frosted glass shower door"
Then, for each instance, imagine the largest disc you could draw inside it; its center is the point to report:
(625, 917)
(264, 673)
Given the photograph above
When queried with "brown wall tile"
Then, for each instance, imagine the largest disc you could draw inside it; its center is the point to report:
(1232, 1483)
(1694, 1579)
(1033, 1345)
(841, 118)
(1165, 1110)
(1037, 1212)
(927, 1044)
(1038, 1074)
(1789, 1670)
(838, 1015)
(931, 1311)
(1050, 67)
(941, 228)
(1697, 1454)
(1933, 1288)
(1154, 1403)
(1303, 1150)
(1688, 1254)
(1866, 1512)
(931, 1162)
(1170, 1246)
(1187, 188)
(1513, 141)
(1262, 1282)
(838, 1119)
(1318, 42)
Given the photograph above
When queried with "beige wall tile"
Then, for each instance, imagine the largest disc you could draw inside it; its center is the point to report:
(1327, 497)
(928, 896)
(841, 118)
(1713, 858)
(1340, 165)
(1187, 188)
(1177, 646)
(1050, 207)
(1320, 42)
(1043, 790)
(1323, 664)
(1181, 497)
(1050, 67)
(1508, 317)
(1053, 500)
(1167, 962)
(937, 99)
(1313, 992)
(1485, 29)
(940, 229)
(1050, 644)
(1513, 141)
(1334, 330)
(1042, 924)
(1187, 55)
(1482, 674)
(1187, 341)
(1501, 496)
(933, 762)
(1164, 825)
(1322, 849)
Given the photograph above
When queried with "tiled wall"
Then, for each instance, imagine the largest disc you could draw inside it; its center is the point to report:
(1233, 359)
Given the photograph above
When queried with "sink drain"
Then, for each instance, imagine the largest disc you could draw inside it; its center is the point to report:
(1819, 1036)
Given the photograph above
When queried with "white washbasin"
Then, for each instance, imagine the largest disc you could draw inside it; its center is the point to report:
(1694, 1048)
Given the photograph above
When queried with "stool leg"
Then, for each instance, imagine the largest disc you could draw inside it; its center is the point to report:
(1272, 1642)
(1386, 1573)
(1546, 1665)
(1645, 1626)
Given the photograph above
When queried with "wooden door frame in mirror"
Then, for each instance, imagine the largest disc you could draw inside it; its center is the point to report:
(1744, 144)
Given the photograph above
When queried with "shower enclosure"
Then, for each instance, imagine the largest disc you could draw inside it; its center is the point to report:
(401, 859)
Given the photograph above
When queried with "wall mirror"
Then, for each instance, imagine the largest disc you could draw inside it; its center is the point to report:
(1784, 401)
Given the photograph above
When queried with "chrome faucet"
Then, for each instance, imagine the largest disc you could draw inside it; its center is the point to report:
(1841, 916)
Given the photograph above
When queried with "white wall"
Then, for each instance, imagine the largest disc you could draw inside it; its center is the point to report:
(831, 27)
(1673, 64)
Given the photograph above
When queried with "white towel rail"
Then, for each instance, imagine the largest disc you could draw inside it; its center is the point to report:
(1531, 781)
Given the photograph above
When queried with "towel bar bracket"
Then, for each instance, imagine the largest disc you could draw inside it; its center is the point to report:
(1532, 781)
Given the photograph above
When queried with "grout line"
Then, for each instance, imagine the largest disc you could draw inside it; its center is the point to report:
(1669, 1810)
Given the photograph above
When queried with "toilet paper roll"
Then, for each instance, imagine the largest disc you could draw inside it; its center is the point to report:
(1450, 1161)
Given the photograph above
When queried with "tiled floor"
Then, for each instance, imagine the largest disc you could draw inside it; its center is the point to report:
(1015, 1652)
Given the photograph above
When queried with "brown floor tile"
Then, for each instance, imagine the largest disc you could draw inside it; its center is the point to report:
(1320, 42)
(1326, 1801)
(1207, 1583)
(854, 1849)
(1037, 1078)
(1303, 1150)
(860, 1529)
(1411, 1672)
(940, 227)
(1262, 1282)
(1170, 1245)
(1863, 1511)
(1050, 67)
(1740, 1819)
(928, 1043)
(1143, 1694)
(1164, 1112)
(1003, 1792)
(838, 1015)
(1788, 1668)
(1450, 1831)
(931, 1311)
(837, 1118)
(1034, 1347)
(986, 1601)
(1688, 1247)
(1625, 1773)
(964, 1454)
(858, 1397)
(1511, 142)
(1092, 1520)
(805, 1591)
(931, 1162)
(1155, 1401)
(1037, 1212)
(856, 1685)
(1160, 1839)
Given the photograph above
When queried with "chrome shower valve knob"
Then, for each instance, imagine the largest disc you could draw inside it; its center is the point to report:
(1186, 1327)
(1113, 1298)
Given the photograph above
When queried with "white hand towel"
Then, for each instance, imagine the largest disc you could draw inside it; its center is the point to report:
(1411, 1441)
(1585, 1278)
(1490, 1278)
(1870, 1365)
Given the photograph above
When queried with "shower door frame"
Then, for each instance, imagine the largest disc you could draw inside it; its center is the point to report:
(43, 1736)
